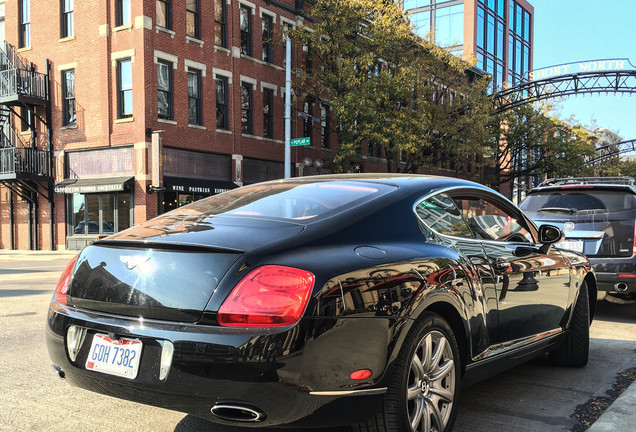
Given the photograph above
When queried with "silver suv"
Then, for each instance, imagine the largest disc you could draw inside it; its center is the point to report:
(597, 215)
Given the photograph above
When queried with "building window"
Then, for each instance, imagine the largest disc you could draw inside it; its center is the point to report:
(68, 98)
(449, 26)
(268, 113)
(163, 14)
(246, 30)
(375, 150)
(268, 42)
(194, 97)
(308, 108)
(422, 23)
(67, 18)
(100, 213)
(220, 18)
(324, 125)
(26, 119)
(122, 12)
(193, 27)
(412, 4)
(164, 89)
(246, 108)
(491, 42)
(309, 57)
(124, 88)
(25, 24)
(221, 103)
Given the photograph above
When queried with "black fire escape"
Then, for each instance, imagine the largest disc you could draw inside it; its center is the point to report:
(25, 167)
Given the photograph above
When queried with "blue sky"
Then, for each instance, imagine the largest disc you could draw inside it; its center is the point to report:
(573, 30)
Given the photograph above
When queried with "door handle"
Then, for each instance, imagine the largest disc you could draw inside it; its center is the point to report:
(500, 265)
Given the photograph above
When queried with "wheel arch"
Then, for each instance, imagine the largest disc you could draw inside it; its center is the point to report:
(449, 311)
(592, 292)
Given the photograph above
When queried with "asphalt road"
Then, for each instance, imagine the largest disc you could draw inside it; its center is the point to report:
(532, 397)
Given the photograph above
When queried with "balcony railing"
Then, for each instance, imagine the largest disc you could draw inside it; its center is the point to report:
(17, 158)
(27, 161)
(9, 58)
(16, 82)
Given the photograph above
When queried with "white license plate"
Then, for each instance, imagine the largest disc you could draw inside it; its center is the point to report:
(573, 245)
(115, 357)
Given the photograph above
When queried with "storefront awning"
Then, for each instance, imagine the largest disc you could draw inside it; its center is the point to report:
(92, 185)
(197, 186)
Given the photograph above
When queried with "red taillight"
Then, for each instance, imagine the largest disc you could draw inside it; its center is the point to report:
(62, 285)
(268, 296)
(634, 241)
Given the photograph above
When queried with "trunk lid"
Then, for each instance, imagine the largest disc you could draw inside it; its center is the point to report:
(167, 274)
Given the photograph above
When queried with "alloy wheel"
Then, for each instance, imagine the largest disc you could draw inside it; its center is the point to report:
(431, 384)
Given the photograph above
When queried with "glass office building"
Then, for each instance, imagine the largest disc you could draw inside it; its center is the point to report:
(497, 32)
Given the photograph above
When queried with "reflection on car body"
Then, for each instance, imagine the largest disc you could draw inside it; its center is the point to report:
(330, 300)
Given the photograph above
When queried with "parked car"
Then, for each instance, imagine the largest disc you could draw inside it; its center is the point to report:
(597, 215)
(328, 300)
(93, 227)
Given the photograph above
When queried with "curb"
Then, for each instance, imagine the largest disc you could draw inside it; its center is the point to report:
(620, 416)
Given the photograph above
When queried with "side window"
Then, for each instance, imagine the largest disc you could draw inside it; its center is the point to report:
(440, 214)
(491, 222)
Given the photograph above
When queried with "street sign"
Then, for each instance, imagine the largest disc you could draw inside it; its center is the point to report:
(296, 142)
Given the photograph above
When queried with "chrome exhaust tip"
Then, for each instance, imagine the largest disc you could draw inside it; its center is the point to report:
(621, 287)
(238, 413)
(59, 371)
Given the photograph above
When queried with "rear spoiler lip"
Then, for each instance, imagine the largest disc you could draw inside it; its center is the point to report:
(173, 246)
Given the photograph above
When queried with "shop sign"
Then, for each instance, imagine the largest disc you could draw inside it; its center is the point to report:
(93, 188)
(579, 67)
(197, 189)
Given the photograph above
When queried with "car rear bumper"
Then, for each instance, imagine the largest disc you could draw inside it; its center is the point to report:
(294, 376)
(615, 275)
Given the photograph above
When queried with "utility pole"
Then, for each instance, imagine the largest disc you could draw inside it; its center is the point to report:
(288, 66)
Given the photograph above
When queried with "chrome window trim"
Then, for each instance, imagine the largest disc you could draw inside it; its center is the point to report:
(451, 188)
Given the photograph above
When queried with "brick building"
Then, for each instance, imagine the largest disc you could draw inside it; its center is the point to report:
(97, 97)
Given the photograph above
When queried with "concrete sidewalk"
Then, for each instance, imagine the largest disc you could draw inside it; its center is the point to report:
(45, 255)
(620, 416)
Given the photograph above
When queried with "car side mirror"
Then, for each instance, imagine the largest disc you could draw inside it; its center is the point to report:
(548, 235)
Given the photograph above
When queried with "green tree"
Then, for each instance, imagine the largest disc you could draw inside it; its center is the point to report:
(380, 79)
(533, 144)
(627, 167)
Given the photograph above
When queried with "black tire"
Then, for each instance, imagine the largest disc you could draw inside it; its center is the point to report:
(575, 350)
(423, 391)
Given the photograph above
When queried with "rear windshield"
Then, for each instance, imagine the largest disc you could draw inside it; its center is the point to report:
(293, 201)
(579, 201)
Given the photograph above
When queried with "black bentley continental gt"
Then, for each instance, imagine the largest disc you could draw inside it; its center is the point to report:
(364, 300)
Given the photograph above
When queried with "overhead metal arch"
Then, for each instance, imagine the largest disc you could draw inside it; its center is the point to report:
(558, 84)
(612, 150)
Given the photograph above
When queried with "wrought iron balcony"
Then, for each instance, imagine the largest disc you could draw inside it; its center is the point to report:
(17, 83)
(24, 163)
(18, 161)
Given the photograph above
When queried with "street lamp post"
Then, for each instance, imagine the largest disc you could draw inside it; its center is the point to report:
(288, 64)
